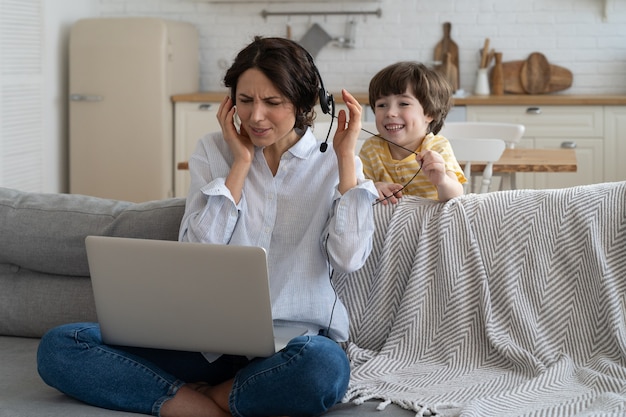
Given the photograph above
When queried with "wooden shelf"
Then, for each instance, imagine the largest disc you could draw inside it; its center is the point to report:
(507, 99)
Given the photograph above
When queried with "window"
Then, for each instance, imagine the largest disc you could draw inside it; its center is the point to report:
(21, 94)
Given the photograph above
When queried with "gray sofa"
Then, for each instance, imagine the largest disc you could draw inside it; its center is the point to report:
(424, 309)
(44, 282)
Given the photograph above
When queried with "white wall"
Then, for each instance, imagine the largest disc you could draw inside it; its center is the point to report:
(572, 34)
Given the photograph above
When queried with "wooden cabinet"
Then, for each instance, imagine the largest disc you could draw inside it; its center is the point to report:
(192, 120)
(549, 127)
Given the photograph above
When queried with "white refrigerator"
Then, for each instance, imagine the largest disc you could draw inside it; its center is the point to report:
(122, 74)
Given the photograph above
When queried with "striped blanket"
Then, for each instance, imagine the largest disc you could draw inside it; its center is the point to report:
(502, 304)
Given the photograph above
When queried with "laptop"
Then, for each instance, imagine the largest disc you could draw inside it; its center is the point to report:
(184, 296)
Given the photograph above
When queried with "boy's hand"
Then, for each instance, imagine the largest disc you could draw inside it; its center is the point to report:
(388, 192)
(433, 166)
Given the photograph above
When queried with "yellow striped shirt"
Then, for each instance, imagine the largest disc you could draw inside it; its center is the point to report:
(378, 165)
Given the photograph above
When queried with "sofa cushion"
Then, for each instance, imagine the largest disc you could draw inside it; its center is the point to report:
(33, 302)
(46, 232)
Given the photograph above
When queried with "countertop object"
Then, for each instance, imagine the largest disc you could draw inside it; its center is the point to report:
(535, 75)
(447, 53)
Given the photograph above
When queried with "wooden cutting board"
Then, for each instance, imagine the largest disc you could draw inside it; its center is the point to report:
(560, 78)
(535, 73)
(450, 71)
(447, 46)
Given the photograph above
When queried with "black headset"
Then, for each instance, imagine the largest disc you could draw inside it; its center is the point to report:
(327, 101)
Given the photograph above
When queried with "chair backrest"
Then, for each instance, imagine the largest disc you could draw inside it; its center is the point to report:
(467, 151)
(320, 129)
(510, 133)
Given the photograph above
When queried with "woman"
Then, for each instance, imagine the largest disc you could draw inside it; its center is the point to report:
(265, 184)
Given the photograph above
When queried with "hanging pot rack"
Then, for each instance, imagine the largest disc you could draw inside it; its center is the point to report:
(377, 12)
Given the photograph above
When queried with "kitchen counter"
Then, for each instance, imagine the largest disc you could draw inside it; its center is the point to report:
(506, 99)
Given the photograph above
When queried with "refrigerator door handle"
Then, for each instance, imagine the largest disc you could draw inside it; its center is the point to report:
(85, 97)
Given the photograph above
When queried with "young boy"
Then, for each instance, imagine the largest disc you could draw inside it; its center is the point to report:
(410, 102)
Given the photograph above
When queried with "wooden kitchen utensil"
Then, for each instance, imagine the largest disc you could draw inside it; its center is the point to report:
(484, 54)
(497, 79)
(511, 78)
(445, 46)
(450, 71)
(535, 73)
(560, 78)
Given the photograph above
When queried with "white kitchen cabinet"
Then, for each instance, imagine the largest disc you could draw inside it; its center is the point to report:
(550, 127)
(615, 143)
(191, 122)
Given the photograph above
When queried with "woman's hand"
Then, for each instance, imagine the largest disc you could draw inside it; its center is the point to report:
(344, 142)
(239, 143)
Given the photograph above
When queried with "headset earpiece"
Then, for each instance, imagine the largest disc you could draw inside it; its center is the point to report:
(325, 99)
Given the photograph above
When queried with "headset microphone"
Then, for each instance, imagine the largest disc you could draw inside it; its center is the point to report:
(324, 145)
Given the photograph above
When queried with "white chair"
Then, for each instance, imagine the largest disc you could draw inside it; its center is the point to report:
(511, 133)
(467, 151)
(320, 129)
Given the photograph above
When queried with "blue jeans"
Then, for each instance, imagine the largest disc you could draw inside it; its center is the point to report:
(306, 378)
